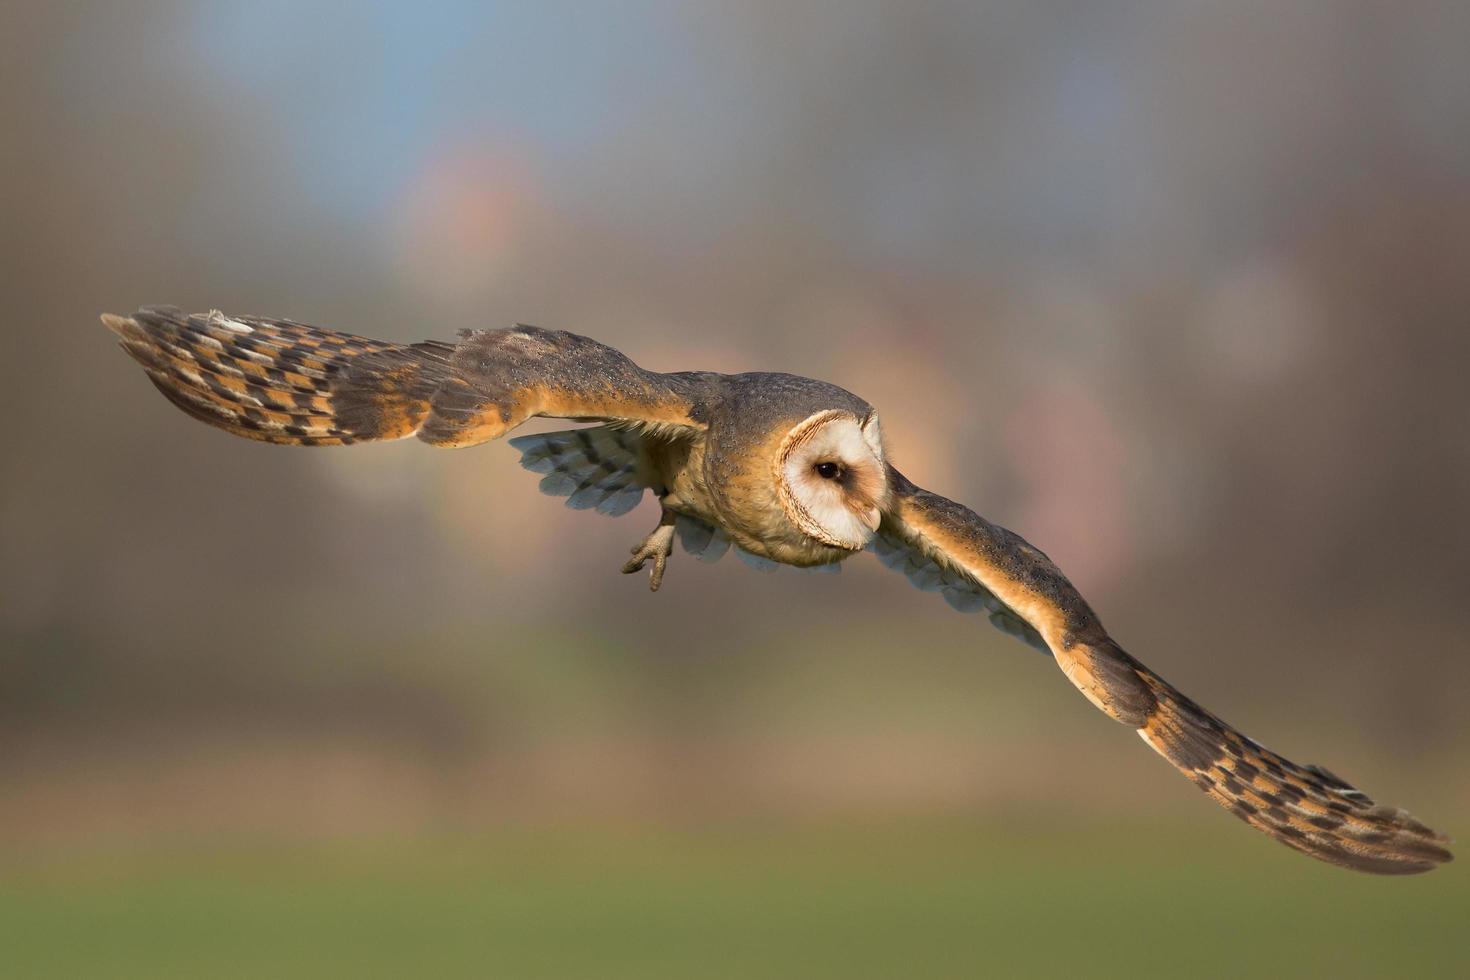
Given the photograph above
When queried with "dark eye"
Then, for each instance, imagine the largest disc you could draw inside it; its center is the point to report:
(828, 470)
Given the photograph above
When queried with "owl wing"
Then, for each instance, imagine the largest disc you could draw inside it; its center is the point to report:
(285, 382)
(977, 565)
(600, 467)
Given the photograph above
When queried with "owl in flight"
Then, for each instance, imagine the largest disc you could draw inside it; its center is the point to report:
(786, 469)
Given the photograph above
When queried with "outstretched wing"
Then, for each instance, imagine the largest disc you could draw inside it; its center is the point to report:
(285, 382)
(979, 566)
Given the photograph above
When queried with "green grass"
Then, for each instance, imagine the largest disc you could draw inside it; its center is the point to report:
(901, 900)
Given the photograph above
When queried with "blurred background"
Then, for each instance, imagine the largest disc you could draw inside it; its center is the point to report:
(1177, 291)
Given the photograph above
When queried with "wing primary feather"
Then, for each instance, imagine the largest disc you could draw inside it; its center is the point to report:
(279, 381)
(1303, 806)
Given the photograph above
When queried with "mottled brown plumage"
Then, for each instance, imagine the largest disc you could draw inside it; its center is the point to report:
(787, 469)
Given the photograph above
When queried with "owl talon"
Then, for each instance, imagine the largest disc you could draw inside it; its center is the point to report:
(657, 546)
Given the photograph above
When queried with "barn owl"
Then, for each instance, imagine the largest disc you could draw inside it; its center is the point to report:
(784, 469)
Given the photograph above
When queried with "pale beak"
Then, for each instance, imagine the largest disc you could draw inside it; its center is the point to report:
(871, 518)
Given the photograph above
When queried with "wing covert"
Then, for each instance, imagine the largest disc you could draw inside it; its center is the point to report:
(497, 379)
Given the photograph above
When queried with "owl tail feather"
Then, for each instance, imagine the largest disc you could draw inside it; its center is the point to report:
(1305, 807)
(283, 382)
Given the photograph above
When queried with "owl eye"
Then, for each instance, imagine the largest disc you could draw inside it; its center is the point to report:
(828, 470)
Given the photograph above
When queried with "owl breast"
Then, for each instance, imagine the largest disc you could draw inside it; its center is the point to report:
(738, 502)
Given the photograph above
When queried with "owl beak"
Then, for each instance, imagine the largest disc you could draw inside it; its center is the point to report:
(871, 518)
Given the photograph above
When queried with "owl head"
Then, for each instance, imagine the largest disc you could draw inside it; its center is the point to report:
(831, 479)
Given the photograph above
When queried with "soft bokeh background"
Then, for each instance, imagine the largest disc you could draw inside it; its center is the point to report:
(1178, 291)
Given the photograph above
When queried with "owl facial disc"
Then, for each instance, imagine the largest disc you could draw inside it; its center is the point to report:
(831, 478)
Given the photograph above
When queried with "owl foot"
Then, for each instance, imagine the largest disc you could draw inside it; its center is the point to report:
(658, 546)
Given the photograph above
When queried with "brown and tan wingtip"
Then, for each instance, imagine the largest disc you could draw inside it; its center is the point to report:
(117, 324)
(1305, 807)
(279, 381)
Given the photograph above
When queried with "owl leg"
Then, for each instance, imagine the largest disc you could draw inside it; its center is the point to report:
(658, 546)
